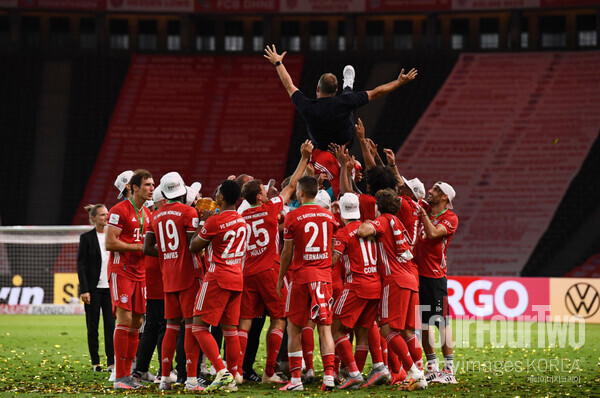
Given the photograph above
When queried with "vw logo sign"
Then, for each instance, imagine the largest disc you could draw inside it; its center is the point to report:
(582, 299)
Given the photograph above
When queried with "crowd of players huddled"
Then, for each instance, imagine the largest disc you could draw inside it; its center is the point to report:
(368, 267)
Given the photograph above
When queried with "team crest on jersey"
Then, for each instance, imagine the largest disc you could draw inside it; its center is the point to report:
(435, 222)
(195, 222)
(124, 298)
(114, 219)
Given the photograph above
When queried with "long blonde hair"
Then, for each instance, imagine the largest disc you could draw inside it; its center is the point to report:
(93, 211)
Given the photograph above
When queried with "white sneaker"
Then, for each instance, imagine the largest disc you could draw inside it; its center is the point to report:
(415, 380)
(276, 379)
(238, 379)
(349, 74)
(193, 387)
(430, 375)
(113, 376)
(445, 378)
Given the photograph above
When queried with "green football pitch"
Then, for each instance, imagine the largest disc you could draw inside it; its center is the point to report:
(47, 355)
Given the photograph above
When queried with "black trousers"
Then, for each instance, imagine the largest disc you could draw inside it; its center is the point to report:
(154, 331)
(253, 343)
(100, 300)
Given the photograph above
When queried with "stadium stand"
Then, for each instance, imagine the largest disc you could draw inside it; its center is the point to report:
(496, 132)
(19, 104)
(96, 81)
(167, 100)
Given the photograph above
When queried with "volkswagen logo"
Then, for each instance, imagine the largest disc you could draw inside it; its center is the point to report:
(582, 299)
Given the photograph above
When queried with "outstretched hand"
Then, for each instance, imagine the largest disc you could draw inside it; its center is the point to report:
(390, 157)
(360, 129)
(408, 77)
(306, 149)
(272, 56)
(338, 151)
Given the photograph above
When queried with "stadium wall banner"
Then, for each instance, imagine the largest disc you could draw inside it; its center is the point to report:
(535, 299)
(62, 4)
(66, 288)
(151, 5)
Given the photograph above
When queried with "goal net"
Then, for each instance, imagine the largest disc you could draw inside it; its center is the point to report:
(38, 264)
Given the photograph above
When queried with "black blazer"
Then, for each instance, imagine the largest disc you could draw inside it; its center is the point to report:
(89, 261)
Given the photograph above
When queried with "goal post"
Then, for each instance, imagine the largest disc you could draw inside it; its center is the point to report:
(38, 264)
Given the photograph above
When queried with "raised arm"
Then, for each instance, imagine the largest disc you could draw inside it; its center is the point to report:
(364, 145)
(390, 158)
(277, 60)
(374, 153)
(341, 154)
(306, 150)
(384, 89)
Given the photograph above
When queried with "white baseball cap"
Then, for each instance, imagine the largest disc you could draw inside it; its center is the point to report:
(157, 196)
(416, 186)
(172, 185)
(448, 190)
(197, 186)
(190, 195)
(323, 199)
(349, 206)
(122, 180)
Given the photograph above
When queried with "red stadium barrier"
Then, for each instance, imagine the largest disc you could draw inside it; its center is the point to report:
(205, 116)
(509, 132)
(528, 299)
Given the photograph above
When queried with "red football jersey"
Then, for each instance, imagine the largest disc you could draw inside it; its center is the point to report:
(227, 233)
(359, 256)
(124, 217)
(393, 252)
(430, 254)
(366, 205)
(263, 239)
(311, 228)
(409, 216)
(170, 224)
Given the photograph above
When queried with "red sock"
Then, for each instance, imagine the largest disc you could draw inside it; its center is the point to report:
(360, 355)
(397, 344)
(308, 346)
(328, 360)
(343, 347)
(374, 344)
(394, 362)
(120, 343)
(415, 350)
(167, 350)
(273, 344)
(384, 350)
(295, 364)
(243, 338)
(134, 341)
(336, 362)
(209, 346)
(192, 351)
(232, 351)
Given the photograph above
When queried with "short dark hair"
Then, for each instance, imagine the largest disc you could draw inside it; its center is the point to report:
(138, 176)
(309, 185)
(328, 83)
(381, 177)
(230, 191)
(251, 190)
(387, 201)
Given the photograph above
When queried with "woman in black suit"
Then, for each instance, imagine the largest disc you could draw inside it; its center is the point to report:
(92, 263)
